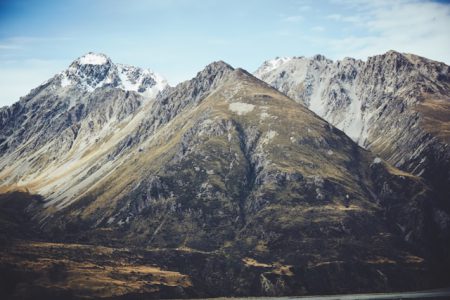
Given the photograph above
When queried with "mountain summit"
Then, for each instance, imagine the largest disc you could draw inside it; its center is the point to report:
(95, 70)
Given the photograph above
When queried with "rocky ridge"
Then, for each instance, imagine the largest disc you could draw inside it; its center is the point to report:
(396, 105)
(221, 174)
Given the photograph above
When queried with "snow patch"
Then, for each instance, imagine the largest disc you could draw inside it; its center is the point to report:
(93, 59)
(65, 81)
(377, 160)
(136, 79)
(241, 108)
(272, 64)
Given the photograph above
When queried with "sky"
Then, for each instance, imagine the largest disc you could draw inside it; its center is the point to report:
(177, 38)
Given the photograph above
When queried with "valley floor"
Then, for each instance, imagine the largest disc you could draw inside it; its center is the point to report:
(44, 270)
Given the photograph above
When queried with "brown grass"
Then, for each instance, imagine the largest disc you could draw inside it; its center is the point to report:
(80, 273)
(436, 117)
(277, 268)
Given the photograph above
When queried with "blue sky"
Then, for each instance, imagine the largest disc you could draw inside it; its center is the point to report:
(177, 38)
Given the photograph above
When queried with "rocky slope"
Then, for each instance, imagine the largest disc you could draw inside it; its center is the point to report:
(220, 186)
(50, 133)
(396, 105)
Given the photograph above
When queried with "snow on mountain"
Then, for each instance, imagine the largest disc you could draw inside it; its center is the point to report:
(273, 64)
(93, 59)
(95, 70)
(308, 80)
(327, 88)
(140, 80)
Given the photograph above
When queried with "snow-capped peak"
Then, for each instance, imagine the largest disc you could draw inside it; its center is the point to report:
(272, 64)
(93, 59)
(94, 70)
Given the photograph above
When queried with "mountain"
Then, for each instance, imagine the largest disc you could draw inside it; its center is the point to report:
(71, 114)
(395, 105)
(219, 186)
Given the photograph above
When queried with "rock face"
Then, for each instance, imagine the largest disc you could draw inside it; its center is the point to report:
(222, 181)
(396, 105)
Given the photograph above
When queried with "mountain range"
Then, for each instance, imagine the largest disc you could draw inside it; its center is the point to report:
(307, 177)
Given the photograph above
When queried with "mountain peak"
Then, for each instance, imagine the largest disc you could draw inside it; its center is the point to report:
(91, 60)
(94, 70)
(213, 72)
(216, 66)
(393, 52)
(271, 64)
(319, 57)
(390, 55)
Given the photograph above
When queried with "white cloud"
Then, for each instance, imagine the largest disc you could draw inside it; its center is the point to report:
(18, 42)
(348, 19)
(406, 26)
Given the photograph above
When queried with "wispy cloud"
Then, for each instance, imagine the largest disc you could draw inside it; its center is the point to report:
(20, 42)
(343, 18)
(407, 26)
(292, 19)
(9, 47)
